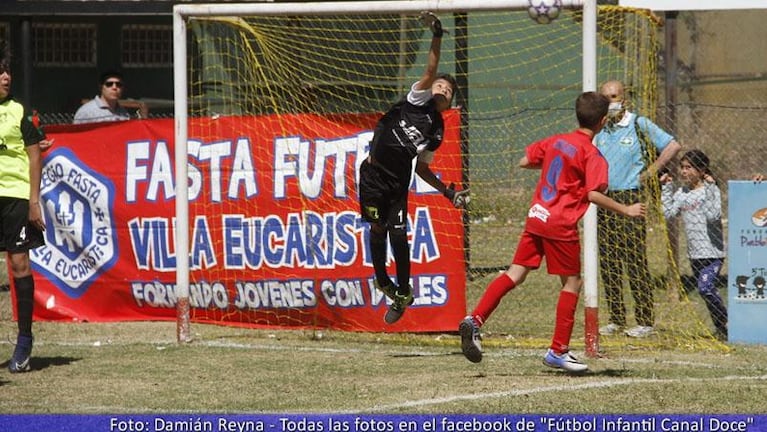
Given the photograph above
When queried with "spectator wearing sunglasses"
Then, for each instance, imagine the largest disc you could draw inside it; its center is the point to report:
(106, 106)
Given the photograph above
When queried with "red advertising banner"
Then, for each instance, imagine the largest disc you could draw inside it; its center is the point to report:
(275, 234)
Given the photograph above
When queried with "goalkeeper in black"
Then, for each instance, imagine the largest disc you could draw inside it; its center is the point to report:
(411, 129)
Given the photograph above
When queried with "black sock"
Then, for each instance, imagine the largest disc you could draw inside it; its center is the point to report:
(25, 298)
(401, 250)
(378, 256)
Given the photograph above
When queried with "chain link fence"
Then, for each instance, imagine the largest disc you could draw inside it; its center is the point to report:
(67, 118)
(728, 122)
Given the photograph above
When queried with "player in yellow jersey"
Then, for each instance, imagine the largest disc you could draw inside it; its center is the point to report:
(21, 219)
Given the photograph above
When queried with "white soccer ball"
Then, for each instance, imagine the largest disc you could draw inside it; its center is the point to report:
(544, 11)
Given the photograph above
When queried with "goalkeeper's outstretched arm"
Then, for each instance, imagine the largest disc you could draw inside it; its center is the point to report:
(424, 171)
(459, 199)
(435, 50)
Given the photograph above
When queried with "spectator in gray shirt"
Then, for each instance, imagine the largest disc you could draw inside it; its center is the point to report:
(105, 107)
(699, 201)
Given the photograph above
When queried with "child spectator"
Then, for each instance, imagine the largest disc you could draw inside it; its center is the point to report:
(699, 202)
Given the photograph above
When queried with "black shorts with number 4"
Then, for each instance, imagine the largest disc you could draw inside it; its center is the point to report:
(383, 197)
(16, 233)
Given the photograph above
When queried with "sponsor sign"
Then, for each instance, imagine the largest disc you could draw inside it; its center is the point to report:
(275, 233)
(747, 262)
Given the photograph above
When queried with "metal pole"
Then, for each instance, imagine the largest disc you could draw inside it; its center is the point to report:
(182, 188)
(590, 246)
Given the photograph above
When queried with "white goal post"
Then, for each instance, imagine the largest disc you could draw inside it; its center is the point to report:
(181, 104)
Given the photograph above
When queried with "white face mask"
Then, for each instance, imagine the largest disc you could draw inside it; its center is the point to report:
(614, 109)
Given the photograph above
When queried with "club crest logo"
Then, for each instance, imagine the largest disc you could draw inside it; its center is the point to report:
(81, 242)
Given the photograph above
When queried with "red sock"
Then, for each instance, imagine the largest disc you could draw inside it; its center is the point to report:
(563, 328)
(491, 298)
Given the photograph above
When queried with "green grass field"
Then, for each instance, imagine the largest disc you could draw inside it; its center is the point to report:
(3, 271)
(137, 367)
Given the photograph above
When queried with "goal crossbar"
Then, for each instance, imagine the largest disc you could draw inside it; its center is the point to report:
(358, 7)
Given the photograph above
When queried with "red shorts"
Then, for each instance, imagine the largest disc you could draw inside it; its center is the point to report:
(563, 257)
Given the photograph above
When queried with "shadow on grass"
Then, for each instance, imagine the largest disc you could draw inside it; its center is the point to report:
(415, 354)
(619, 373)
(42, 363)
(608, 373)
(546, 371)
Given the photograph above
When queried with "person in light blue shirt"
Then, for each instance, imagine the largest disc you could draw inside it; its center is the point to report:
(629, 142)
(627, 154)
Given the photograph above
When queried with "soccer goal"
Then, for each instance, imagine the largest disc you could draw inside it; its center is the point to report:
(275, 104)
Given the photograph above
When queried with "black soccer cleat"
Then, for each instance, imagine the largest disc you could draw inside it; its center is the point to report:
(21, 355)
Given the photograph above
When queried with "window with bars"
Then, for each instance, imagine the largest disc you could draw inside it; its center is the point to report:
(147, 45)
(64, 44)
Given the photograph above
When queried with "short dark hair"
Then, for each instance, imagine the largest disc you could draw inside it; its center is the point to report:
(590, 108)
(449, 78)
(5, 56)
(112, 73)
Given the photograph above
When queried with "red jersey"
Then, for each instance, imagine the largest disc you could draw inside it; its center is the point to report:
(571, 167)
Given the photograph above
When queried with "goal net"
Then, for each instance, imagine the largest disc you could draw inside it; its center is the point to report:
(278, 110)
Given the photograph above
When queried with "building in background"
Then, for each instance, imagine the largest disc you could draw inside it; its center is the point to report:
(60, 47)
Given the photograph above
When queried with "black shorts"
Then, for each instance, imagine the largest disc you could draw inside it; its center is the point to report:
(383, 197)
(16, 233)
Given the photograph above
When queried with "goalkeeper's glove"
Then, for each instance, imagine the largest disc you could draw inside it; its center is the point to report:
(430, 20)
(459, 199)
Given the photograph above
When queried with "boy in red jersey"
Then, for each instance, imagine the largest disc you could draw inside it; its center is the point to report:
(573, 174)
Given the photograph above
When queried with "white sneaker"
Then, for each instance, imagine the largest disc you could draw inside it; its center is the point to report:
(610, 329)
(564, 361)
(640, 331)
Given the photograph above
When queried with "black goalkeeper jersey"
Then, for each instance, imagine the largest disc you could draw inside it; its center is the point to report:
(403, 133)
